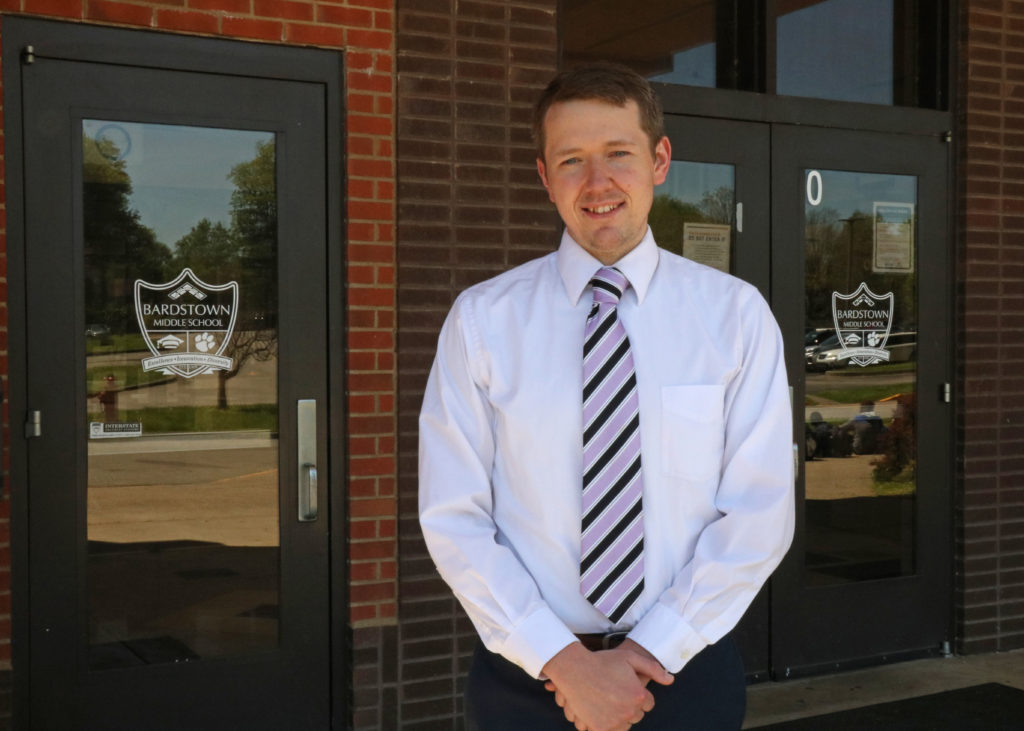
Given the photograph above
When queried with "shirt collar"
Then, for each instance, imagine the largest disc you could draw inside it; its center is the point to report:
(577, 267)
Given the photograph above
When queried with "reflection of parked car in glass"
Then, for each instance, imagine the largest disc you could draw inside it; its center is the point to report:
(96, 331)
(814, 337)
(810, 351)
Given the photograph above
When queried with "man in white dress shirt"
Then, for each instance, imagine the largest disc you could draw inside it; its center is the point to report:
(502, 435)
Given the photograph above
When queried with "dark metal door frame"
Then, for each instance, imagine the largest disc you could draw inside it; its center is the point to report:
(132, 53)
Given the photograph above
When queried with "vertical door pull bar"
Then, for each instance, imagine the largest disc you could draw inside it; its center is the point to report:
(307, 482)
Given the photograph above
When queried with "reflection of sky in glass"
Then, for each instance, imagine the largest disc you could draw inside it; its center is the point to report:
(179, 174)
(838, 49)
(847, 192)
(689, 181)
(693, 67)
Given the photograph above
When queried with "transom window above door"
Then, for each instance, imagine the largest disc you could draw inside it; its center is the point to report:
(891, 52)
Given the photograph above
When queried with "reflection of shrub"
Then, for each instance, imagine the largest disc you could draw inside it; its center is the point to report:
(898, 446)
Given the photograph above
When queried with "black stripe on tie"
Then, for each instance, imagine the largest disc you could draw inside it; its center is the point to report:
(599, 507)
(616, 573)
(609, 409)
(609, 365)
(598, 551)
(612, 450)
(607, 287)
(599, 332)
(627, 601)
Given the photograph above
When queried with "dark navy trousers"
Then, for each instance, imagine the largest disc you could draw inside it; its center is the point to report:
(709, 694)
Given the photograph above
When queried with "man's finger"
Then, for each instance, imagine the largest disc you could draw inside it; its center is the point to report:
(648, 669)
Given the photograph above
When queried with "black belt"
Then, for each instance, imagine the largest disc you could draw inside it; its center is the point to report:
(602, 642)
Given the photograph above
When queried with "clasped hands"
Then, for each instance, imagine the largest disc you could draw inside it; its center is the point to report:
(604, 690)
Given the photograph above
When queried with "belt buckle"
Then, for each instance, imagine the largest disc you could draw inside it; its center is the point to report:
(613, 639)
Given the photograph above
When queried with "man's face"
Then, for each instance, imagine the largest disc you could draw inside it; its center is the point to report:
(600, 173)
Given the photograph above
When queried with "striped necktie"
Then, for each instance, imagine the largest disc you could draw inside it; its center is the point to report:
(611, 561)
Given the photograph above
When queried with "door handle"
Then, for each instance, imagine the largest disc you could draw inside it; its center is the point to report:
(307, 477)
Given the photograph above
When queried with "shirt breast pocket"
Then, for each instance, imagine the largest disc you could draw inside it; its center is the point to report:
(692, 431)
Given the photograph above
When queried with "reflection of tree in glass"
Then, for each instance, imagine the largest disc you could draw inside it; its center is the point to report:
(118, 248)
(898, 460)
(717, 205)
(246, 253)
(666, 220)
(669, 214)
(839, 256)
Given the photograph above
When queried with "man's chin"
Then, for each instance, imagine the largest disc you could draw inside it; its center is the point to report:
(608, 249)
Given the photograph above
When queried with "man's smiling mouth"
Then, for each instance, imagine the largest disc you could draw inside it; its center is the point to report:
(603, 209)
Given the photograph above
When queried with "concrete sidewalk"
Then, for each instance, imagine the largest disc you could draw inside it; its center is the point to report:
(785, 701)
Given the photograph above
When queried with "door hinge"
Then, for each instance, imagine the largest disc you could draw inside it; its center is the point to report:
(29, 55)
(739, 218)
(34, 425)
(947, 393)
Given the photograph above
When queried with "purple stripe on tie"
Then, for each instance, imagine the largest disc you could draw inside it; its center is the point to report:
(612, 515)
(609, 431)
(603, 348)
(592, 407)
(600, 569)
(615, 467)
(620, 588)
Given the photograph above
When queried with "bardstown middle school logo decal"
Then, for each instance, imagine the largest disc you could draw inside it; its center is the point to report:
(862, 321)
(187, 324)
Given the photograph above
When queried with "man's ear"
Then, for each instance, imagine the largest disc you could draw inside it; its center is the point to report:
(543, 173)
(662, 159)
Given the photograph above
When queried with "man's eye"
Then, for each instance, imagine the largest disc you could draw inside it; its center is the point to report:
(570, 161)
(620, 153)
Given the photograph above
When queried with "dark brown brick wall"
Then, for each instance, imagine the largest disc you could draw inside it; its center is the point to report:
(990, 353)
(470, 206)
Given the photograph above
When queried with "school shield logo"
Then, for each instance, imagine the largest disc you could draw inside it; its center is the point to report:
(187, 323)
(863, 320)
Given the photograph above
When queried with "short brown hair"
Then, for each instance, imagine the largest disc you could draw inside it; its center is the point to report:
(604, 81)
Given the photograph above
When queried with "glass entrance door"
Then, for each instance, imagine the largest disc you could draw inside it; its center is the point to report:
(845, 234)
(860, 287)
(176, 305)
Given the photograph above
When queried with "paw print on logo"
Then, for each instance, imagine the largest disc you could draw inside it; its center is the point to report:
(205, 343)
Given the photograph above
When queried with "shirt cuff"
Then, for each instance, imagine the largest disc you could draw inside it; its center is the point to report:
(668, 637)
(535, 640)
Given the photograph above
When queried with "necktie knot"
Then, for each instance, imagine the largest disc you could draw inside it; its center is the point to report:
(609, 284)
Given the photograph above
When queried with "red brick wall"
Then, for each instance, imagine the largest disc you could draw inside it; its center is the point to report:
(364, 30)
(990, 357)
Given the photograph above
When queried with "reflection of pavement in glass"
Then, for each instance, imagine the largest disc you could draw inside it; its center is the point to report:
(834, 478)
(226, 496)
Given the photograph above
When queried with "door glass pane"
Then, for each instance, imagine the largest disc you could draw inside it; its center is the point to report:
(860, 241)
(180, 284)
(835, 49)
(668, 42)
(694, 211)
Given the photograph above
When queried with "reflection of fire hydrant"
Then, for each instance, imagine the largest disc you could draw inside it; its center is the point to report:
(108, 397)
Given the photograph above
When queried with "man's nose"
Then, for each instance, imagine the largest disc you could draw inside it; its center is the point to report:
(598, 175)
